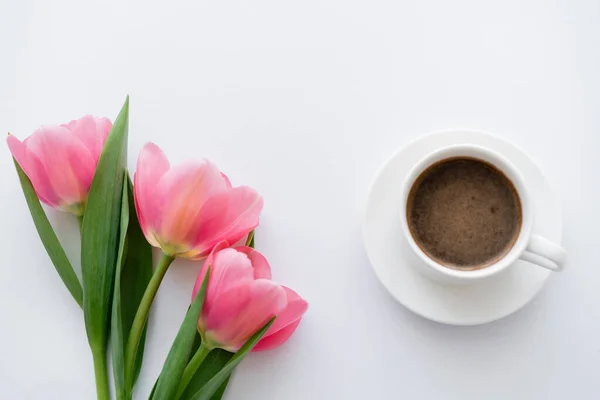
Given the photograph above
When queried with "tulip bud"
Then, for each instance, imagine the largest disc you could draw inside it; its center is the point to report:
(60, 161)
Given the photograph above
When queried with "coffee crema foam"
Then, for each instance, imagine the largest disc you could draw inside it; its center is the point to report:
(464, 213)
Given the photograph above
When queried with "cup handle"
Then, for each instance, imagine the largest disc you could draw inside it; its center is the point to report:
(544, 253)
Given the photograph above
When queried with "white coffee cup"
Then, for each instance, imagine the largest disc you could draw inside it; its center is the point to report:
(527, 246)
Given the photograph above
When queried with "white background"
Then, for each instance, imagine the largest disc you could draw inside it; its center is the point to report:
(304, 100)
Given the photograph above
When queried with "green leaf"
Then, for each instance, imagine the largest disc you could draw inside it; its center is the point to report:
(100, 233)
(221, 390)
(49, 240)
(135, 277)
(214, 384)
(214, 362)
(151, 397)
(250, 239)
(170, 376)
(117, 342)
(134, 270)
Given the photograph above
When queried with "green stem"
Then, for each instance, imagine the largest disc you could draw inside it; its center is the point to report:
(141, 316)
(101, 373)
(80, 220)
(192, 367)
(250, 239)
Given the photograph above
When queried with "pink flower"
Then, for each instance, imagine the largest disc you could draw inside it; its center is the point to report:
(189, 208)
(61, 160)
(241, 298)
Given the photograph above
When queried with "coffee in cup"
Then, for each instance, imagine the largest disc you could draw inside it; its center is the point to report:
(464, 213)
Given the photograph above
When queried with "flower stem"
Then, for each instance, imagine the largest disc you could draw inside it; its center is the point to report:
(192, 367)
(250, 239)
(141, 316)
(80, 220)
(101, 373)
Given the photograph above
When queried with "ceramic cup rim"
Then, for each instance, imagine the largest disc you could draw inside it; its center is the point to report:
(503, 165)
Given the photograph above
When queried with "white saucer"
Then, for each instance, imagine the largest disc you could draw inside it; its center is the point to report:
(393, 260)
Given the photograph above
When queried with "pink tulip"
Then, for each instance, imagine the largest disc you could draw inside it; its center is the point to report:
(189, 208)
(241, 298)
(61, 160)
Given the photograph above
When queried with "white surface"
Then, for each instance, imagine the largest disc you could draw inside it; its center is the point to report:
(403, 270)
(304, 100)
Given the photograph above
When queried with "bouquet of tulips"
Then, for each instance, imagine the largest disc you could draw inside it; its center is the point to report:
(189, 211)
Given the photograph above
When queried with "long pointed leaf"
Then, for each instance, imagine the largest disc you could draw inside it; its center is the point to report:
(116, 331)
(49, 240)
(151, 397)
(213, 385)
(100, 233)
(214, 362)
(221, 390)
(136, 275)
(178, 357)
(134, 270)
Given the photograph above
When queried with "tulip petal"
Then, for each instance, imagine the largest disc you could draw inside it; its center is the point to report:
(152, 164)
(227, 181)
(92, 131)
(295, 309)
(238, 313)
(19, 152)
(229, 269)
(209, 262)
(276, 339)
(34, 170)
(261, 266)
(183, 190)
(227, 216)
(67, 161)
(286, 322)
